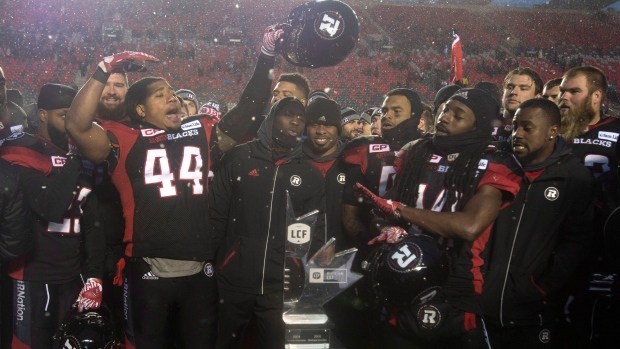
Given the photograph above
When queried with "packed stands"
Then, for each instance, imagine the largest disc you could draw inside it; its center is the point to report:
(211, 46)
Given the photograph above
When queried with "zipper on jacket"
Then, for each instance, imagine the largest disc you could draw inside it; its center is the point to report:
(514, 240)
(273, 190)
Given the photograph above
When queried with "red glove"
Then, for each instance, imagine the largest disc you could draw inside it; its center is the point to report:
(272, 34)
(90, 295)
(391, 235)
(126, 62)
(389, 207)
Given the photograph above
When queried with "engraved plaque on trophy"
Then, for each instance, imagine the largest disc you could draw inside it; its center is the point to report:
(311, 282)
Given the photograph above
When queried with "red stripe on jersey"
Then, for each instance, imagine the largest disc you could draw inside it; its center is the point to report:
(208, 124)
(27, 158)
(358, 156)
(469, 321)
(122, 182)
(399, 163)
(603, 121)
(501, 177)
(15, 267)
(17, 344)
(477, 247)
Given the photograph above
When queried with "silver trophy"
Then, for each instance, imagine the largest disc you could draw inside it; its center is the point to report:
(309, 283)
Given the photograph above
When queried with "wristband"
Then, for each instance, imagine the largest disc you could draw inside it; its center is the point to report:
(100, 75)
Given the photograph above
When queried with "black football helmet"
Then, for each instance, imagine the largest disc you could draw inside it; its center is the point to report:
(92, 329)
(319, 33)
(411, 271)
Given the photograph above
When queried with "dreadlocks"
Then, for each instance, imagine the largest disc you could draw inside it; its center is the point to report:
(461, 178)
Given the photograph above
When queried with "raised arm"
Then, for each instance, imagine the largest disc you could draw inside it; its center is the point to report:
(90, 138)
(243, 120)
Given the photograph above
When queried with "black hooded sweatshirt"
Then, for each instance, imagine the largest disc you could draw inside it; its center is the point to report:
(247, 205)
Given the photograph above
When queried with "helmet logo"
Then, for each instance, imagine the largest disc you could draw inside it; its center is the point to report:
(429, 316)
(71, 343)
(405, 258)
(329, 25)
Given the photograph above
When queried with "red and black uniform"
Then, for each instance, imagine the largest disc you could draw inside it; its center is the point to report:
(599, 150)
(162, 179)
(537, 244)
(47, 279)
(502, 132)
(458, 308)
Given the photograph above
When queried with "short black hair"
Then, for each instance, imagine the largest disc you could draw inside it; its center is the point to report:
(549, 109)
(299, 80)
(137, 94)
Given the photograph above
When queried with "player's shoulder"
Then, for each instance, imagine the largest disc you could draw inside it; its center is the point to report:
(498, 153)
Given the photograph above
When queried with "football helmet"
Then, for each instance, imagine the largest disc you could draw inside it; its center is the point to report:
(93, 329)
(409, 272)
(319, 33)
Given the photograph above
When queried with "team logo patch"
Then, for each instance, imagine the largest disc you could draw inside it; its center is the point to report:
(329, 25)
(191, 125)
(483, 164)
(435, 159)
(58, 161)
(429, 316)
(609, 136)
(298, 233)
(378, 148)
(208, 269)
(406, 258)
(452, 157)
(71, 343)
(149, 132)
(508, 128)
(295, 180)
(552, 194)
(544, 336)
(341, 178)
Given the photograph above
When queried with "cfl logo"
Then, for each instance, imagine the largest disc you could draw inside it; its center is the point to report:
(316, 276)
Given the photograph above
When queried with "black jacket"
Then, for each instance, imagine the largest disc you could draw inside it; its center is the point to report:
(15, 222)
(537, 244)
(247, 206)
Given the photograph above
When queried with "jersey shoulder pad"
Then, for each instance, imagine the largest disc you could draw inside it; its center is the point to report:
(501, 157)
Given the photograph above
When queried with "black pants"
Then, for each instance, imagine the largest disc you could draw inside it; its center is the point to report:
(236, 309)
(39, 309)
(530, 337)
(159, 309)
(435, 325)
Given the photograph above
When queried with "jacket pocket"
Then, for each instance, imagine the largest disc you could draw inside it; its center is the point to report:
(230, 255)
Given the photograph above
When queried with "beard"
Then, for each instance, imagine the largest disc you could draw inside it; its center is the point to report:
(115, 113)
(577, 119)
(59, 138)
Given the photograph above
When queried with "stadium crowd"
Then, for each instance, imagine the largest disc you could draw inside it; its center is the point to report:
(160, 199)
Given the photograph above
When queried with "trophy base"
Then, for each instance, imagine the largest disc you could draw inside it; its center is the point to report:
(308, 336)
